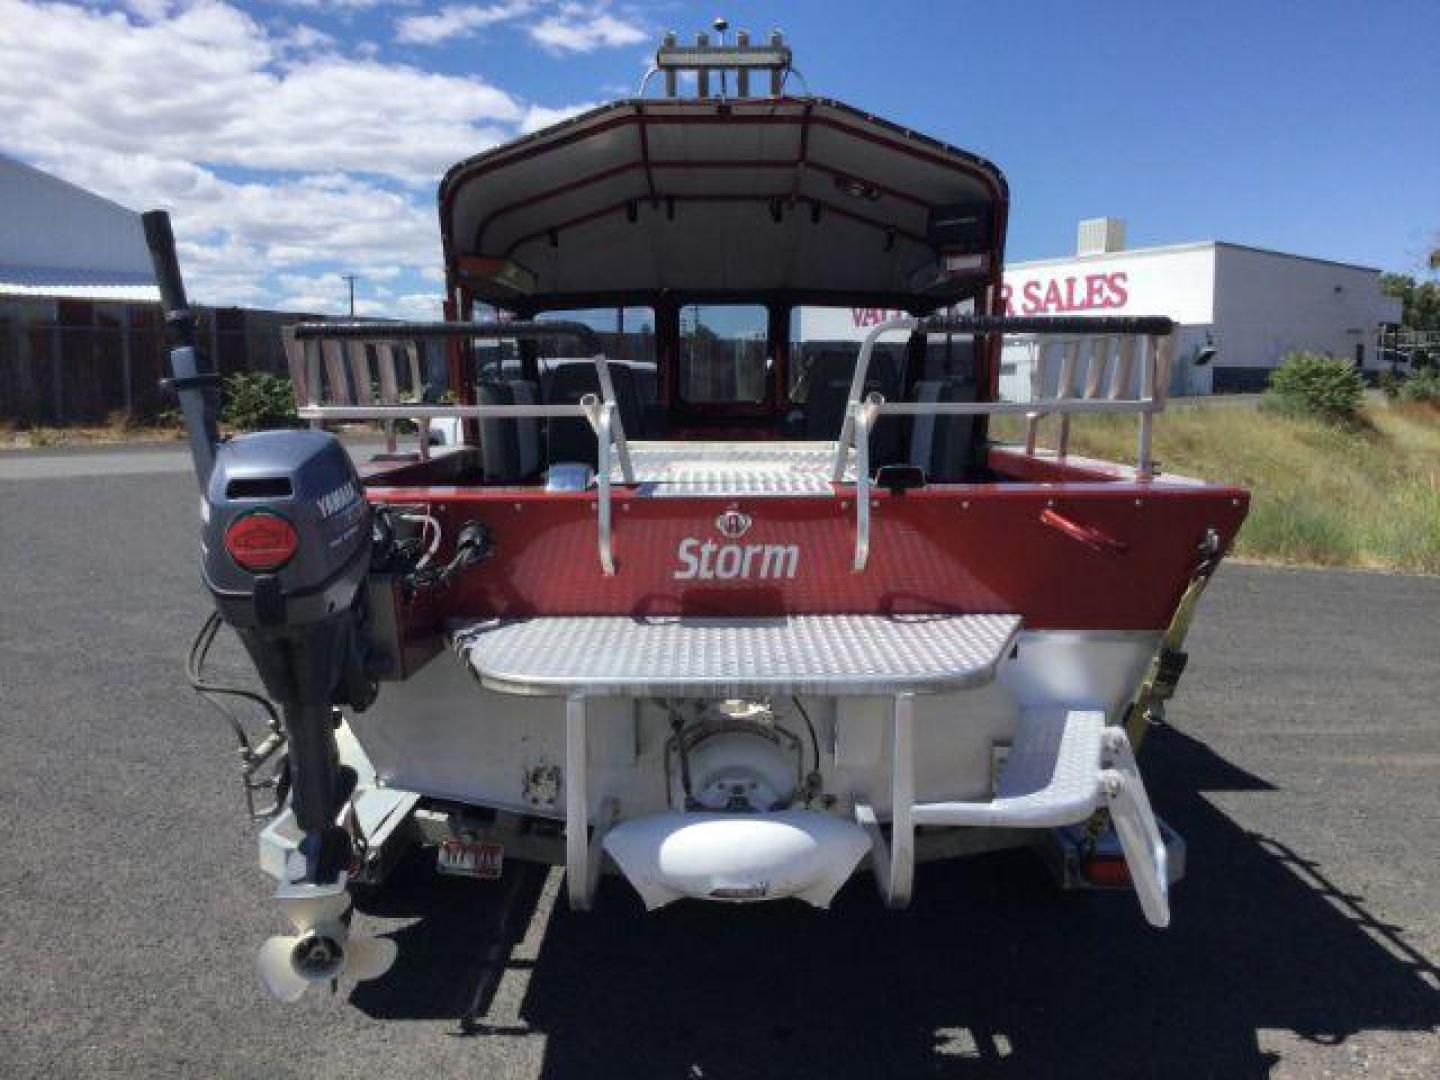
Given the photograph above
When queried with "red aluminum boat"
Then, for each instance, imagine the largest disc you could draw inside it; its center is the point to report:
(662, 589)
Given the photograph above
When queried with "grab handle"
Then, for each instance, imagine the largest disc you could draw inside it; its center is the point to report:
(1088, 535)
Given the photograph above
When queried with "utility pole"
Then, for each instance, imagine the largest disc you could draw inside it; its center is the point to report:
(351, 279)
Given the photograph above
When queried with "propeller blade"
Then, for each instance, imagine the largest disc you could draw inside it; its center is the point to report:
(277, 973)
(305, 912)
(369, 957)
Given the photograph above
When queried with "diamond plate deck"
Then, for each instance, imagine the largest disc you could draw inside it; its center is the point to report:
(714, 657)
(727, 469)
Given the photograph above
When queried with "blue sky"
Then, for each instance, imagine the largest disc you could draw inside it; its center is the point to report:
(299, 139)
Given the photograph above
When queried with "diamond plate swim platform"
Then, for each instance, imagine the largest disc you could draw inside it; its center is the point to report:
(733, 657)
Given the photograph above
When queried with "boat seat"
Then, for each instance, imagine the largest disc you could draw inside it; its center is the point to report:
(510, 450)
(572, 439)
(830, 380)
(830, 375)
(942, 445)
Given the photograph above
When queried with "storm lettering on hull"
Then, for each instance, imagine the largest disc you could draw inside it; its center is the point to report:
(709, 561)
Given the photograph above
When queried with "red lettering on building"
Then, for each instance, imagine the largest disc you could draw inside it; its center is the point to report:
(867, 317)
(1072, 303)
(1093, 292)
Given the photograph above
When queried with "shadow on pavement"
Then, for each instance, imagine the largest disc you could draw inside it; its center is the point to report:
(990, 971)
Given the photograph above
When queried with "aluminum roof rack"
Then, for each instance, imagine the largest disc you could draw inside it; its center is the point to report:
(700, 59)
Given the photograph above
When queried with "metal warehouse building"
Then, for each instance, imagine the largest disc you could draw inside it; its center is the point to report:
(81, 331)
(1252, 306)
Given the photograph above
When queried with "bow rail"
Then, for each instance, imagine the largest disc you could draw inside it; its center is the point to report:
(330, 366)
(1085, 382)
(335, 381)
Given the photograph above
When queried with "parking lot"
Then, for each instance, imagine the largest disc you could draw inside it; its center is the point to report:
(1302, 765)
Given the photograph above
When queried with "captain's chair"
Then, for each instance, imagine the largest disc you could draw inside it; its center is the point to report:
(510, 449)
(942, 445)
(572, 439)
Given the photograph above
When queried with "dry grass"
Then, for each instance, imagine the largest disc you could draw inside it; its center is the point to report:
(1367, 496)
(118, 428)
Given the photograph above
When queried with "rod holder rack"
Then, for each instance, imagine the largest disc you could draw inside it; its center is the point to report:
(1085, 382)
(335, 382)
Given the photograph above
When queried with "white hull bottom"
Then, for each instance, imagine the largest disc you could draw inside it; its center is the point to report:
(888, 775)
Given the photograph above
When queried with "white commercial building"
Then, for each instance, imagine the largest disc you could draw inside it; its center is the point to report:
(1250, 305)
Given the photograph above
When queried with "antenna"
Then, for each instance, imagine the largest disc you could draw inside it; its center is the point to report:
(721, 25)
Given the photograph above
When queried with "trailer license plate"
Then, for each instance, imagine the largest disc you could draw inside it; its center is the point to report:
(471, 858)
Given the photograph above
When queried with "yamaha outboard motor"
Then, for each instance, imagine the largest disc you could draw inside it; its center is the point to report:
(286, 551)
(287, 538)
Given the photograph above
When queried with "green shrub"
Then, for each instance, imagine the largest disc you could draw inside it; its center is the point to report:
(257, 401)
(1424, 386)
(1316, 385)
(1389, 384)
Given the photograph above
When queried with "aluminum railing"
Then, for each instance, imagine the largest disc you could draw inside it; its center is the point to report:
(1085, 383)
(336, 382)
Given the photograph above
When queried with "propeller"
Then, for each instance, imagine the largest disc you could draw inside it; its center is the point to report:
(320, 950)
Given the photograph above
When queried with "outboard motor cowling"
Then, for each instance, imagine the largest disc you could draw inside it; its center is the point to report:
(287, 547)
(287, 529)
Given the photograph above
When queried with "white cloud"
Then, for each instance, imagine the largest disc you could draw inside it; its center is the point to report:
(149, 9)
(343, 6)
(457, 20)
(416, 306)
(539, 116)
(306, 39)
(278, 152)
(211, 84)
(234, 236)
(582, 28)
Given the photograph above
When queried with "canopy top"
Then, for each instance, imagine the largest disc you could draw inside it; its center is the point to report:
(790, 197)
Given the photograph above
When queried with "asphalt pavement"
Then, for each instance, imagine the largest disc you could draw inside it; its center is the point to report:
(1301, 764)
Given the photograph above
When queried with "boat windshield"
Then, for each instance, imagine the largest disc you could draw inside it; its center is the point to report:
(724, 354)
(626, 333)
